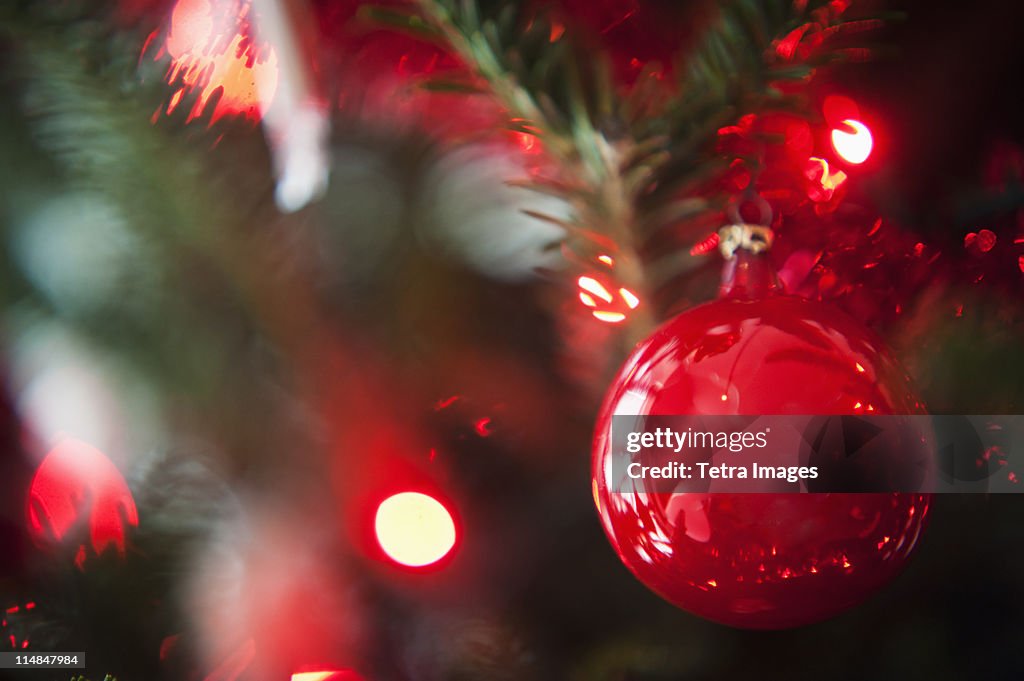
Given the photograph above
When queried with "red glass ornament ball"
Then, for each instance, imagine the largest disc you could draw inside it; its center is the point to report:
(759, 561)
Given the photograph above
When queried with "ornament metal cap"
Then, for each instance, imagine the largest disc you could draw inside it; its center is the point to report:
(747, 273)
(752, 238)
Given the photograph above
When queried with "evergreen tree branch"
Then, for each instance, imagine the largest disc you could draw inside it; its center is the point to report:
(638, 164)
(732, 71)
(192, 227)
(566, 96)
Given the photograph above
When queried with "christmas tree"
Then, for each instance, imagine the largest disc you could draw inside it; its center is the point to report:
(308, 309)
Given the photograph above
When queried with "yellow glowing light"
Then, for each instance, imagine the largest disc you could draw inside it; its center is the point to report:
(587, 300)
(312, 676)
(629, 297)
(215, 55)
(414, 529)
(591, 285)
(606, 259)
(854, 147)
(527, 142)
(860, 369)
(830, 179)
(609, 317)
(724, 397)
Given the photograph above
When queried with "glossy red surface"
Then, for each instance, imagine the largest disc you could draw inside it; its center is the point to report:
(762, 561)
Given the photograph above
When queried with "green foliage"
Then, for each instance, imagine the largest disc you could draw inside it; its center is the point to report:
(731, 72)
(564, 89)
(194, 286)
(542, 75)
(636, 161)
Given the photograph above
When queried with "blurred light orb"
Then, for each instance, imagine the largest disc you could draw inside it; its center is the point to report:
(80, 252)
(414, 529)
(604, 305)
(76, 483)
(481, 215)
(214, 51)
(343, 675)
(71, 399)
(853, 147)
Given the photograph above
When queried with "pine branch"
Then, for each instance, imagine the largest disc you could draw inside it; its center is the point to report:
(534, 73)
(105, 148)
(197, 285)
(564, 93)
(635, 166)
(732, 71)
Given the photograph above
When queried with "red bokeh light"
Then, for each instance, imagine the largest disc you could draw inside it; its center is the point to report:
(77, 483)
(837, 108)
(706, 245)
(982, 241)
(14, 609)
(986, 240)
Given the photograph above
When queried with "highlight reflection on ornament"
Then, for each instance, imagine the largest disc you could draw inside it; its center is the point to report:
(7, 637)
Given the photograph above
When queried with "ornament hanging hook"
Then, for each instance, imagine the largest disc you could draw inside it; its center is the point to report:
(754, 238)
(749, 197)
